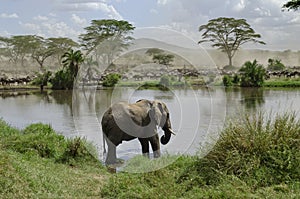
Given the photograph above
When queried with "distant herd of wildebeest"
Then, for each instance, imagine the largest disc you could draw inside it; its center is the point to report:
(291, 73)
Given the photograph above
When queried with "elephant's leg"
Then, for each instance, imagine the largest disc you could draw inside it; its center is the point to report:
(145, 146)
(111, 157)
(154, 141)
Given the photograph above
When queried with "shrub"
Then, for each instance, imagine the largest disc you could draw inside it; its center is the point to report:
(62, 80)
(227, 81)
(6, 130)
(77, 149)
(38, 138)
(165, 81)
(42, 78)
(275, 65)
(111, 80)
(252, 74)
(259, 151)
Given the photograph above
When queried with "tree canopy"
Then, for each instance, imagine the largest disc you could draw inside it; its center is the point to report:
(106, 38)
(228, 34)
(292, 5)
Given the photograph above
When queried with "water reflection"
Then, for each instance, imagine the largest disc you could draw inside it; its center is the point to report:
(252, 98)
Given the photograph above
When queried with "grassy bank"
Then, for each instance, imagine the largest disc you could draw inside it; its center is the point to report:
(289, 82)
(254, 158)
(38, 163)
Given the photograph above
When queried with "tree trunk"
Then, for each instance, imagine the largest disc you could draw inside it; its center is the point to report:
(230, 61)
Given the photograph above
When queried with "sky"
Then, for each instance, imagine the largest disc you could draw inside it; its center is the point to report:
(67, 18)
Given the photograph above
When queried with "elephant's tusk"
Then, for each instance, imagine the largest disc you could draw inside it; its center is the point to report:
(171, 131)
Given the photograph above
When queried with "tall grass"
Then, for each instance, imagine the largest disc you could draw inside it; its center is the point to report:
(36, 162)
(255, 157)
(261, 152)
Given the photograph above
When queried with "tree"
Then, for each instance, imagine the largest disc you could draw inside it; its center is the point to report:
(60, 45)
(106, 38)
(292, 5)
(252, 74)
(228, 34)
(164, 59)
(71, 61)
(17, 47)
(153, 51)
(275, 65)
(159, 56)
(40, 49)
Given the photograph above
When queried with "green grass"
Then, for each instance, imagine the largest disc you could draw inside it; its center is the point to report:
(38, 163)
(256, 156)
(282, 82)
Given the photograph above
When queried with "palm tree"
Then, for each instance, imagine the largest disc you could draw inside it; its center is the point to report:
(71, 61)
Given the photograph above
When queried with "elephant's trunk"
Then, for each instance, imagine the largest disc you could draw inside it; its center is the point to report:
(166, 138)
(168, 131)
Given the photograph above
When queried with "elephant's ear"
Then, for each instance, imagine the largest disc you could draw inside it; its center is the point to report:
(156, 112)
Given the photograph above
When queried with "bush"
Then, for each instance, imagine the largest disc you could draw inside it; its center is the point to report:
(37, 138)
(275, 65)
(111, 80)
(6, 130)
(165, 81)
(42, 79)
(78, 149)
(252, 74)
(227, 81)
(62, 80)
(259, 151)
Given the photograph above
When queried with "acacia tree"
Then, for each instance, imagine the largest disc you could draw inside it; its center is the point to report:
(228, 34)
(61, 45)
(159, 56)
(40, 49)
(292, 5)
(106, 38)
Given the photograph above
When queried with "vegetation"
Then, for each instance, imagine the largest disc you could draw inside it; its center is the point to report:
(227, 80)
(275, 65)
(255, 157)
(282, 83)
(292, 5)
(159, 56)
(111, 80)
(39, 163)
(71, 61)
(106, 38)
(228, 34)
(23, 47)
(65, 77)
(42, 79)
(252, 74)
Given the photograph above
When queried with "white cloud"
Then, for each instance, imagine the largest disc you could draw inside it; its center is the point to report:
(41, 18)
(239, 6)
(162, 2)
(107, 9)
(10, 16)
(79, 21)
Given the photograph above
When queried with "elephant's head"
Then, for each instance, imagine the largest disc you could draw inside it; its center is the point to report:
(160, 113)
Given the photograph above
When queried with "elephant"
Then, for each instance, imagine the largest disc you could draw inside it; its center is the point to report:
(123, 122)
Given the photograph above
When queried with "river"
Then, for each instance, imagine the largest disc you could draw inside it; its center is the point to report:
(197, 115)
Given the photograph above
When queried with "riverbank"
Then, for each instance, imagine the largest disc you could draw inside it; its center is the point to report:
(254, 158)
